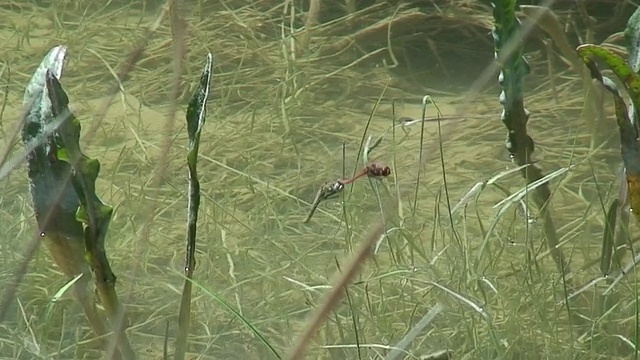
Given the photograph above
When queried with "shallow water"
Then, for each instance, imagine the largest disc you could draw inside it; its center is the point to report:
(259, 172)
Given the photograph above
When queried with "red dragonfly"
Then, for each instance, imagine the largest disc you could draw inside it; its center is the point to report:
(330, 189)
(375, 170)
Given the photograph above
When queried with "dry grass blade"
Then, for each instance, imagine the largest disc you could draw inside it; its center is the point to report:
(127, 67)
(178, 32)
(623, 272)
(529, 188)
(403, 23)
(549, 22)
(336, 294)
(593, 112)
(479, 187)
(312, 21)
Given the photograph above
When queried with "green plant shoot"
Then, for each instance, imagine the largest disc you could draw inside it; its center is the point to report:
(55, 201)
(92, 212)
(196, 115)
(514, 68)
(626, 117)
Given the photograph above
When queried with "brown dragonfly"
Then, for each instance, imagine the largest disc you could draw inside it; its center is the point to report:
(331, 189)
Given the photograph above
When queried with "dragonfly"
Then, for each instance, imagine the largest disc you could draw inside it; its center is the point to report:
(331, 189)
(374, 170)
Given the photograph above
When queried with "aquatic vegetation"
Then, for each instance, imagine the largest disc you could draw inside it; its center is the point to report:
(424, 269)
(627, 119)
(196, 116)
(60, 210)
(71, 217)
(592, 109)
(514, 69)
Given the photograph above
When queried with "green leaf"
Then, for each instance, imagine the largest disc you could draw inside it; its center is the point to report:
(628, 132)
(624, 72)
(608, 238)
(95, 215)
(629, 143)
(632, 35)
(54, 199)
(197, 110)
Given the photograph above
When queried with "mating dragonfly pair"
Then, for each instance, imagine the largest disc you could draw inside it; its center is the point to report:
(331, 189)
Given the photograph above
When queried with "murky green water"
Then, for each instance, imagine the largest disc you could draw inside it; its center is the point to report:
(259, 171)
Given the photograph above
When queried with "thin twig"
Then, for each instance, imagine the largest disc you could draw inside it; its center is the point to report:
(333, 298)
(178, 32)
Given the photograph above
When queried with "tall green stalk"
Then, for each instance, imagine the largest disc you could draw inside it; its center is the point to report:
(514, 68)
(196, 114)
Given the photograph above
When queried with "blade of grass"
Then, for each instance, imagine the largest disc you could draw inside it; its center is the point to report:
(237, 314)
(607, 238)
(401, 347)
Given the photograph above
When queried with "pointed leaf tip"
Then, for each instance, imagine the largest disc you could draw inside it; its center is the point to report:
(196, 111)
(54, 62)
(56, 94)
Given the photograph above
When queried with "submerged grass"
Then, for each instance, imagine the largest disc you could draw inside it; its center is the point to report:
(258, 175)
